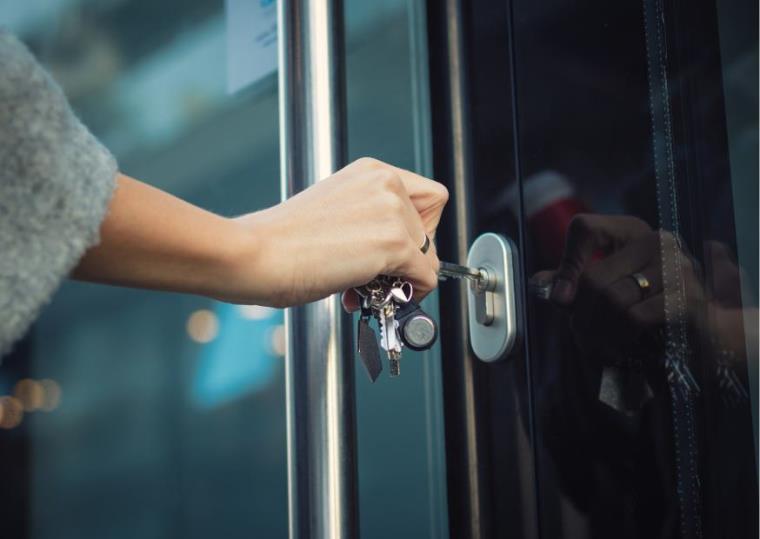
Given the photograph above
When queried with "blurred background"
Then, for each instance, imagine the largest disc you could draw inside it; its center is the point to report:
(141, 414)
(131, 414)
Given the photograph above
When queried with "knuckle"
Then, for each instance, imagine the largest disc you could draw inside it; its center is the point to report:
(410, 252)
(390, 181)
(393, 205)
(442, 193)
(367, 162)
(395, 238)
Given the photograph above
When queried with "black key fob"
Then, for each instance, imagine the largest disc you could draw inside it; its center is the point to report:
(417, 329)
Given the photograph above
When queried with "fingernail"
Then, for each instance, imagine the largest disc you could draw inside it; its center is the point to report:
(562, 291)
(344, 302)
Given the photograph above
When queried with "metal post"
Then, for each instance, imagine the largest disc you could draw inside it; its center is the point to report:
(469, 513)
(322, 484)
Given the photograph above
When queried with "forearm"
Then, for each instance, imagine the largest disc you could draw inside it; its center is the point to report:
(151, 239)
(366, 219)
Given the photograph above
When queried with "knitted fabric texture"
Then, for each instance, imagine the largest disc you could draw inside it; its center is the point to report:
(55, 184)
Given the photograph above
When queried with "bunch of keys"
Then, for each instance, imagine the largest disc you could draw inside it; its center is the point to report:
(401, 320)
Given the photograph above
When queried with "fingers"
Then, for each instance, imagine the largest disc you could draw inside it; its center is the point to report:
(626, 291)
(611, 280)
(640, 253)
(588, 234)
(432, 255)
(413, 266)
(418, 232)
(407, 208)
(408, 261)
(418, 269)
(412, 219)
(427, 196)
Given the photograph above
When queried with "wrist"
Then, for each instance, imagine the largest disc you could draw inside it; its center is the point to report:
(244, 274)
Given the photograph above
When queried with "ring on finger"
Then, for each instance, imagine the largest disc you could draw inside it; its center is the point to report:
(425, 245)
(645, 286)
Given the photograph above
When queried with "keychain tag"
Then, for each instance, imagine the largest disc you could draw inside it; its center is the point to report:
(368, 349)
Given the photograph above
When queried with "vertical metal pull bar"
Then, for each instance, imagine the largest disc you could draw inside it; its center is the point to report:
(322, 493)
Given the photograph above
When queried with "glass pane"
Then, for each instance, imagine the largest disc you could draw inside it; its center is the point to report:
(161, 415)
(738, 35)
(640, 363)
(400, 422)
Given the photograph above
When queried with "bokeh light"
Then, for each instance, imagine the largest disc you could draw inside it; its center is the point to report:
(11, 412)
(31, 393)
(256, 312)
(52, 395)
(203, 326)
(277, 340)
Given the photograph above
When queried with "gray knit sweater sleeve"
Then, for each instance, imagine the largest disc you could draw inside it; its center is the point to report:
(55, 184)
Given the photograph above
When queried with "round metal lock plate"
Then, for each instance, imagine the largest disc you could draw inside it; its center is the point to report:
(494, 341)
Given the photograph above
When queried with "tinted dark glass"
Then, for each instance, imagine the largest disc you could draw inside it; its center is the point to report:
(641, 388)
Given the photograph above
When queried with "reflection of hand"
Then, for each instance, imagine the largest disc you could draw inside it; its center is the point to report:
(587, 235)
(610, 308)
(368, 218)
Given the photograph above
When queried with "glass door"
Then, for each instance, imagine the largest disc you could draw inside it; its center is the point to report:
(149, 414)
(606, 140)
(642, 340)
(138, 414)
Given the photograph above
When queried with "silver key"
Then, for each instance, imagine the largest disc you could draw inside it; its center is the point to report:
(448, 270)
(382, 296)
(400, 293)
(389, 337)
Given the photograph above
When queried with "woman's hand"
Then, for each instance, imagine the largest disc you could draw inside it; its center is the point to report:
(367, 219)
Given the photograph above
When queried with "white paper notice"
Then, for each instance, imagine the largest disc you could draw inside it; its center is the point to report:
(251, 41)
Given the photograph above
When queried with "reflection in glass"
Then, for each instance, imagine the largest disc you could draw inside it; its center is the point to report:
(640, 371)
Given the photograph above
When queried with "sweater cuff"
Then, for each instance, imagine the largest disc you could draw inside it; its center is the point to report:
(56, 181)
